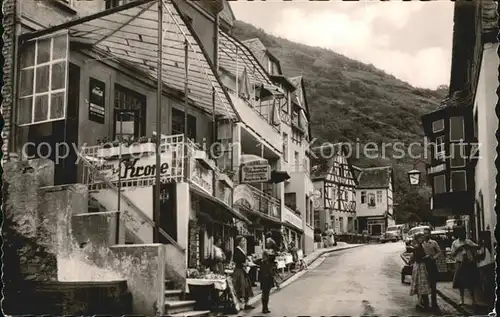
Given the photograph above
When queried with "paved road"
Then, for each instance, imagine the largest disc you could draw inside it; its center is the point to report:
(357, 282)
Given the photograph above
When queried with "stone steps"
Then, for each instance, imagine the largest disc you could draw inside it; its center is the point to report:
(194, 313)
(180, 306)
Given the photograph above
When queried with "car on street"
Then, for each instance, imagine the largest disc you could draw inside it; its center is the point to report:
(393, 234)
(413, 231)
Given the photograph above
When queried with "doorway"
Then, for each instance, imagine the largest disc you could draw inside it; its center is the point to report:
(168, 212)
(375, 230)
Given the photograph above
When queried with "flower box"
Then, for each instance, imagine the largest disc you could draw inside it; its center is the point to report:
(140, 149)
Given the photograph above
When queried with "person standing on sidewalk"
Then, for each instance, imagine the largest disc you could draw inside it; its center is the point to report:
(266, 277)
(420, 285)
(432, 250)
(466, 275)
(242, 284)
(485, 264)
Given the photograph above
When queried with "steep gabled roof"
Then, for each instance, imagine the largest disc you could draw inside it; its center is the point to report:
(260, 50)
(227, 13)
(375, 177)
(324, 160)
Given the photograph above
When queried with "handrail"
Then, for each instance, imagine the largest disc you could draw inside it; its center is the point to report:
(128, 201)
(264, 195)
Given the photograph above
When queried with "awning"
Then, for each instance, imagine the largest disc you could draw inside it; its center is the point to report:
(292, 226)
(128, 34)
(264, 92)
(203, 194)
(250, 158)
(234, 56)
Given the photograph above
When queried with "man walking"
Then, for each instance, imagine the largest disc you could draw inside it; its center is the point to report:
(432, 251)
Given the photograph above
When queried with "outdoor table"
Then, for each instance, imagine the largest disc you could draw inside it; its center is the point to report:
(218, 284)
(206, 292)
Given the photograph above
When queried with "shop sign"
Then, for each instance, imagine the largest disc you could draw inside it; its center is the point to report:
(292, 218)
(202, 176)
(255, 173)
(135, 168)
(97, 91)
(436, 169)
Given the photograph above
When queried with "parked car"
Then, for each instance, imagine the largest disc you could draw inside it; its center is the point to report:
(413, 231)
(393, 233)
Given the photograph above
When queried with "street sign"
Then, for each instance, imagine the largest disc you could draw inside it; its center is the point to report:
(260, 173)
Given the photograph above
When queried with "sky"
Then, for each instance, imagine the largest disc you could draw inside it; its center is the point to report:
(410, 40)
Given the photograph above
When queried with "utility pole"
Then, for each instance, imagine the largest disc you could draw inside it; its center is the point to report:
(159, 92)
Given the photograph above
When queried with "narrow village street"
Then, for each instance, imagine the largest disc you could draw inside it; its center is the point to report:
(362, 281)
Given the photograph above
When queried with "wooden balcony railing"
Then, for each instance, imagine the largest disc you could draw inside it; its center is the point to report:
(266, 203)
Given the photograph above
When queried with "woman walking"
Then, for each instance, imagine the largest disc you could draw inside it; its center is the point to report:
(242, 283)
(464, 252)
(420, 285)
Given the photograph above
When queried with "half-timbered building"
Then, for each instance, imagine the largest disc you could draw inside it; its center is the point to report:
(374, 200)
(335, 189)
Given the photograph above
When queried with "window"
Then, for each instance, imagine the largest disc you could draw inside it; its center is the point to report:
(363, 197)
(285, 147)
(439, 148)
(308, 217)
(457, 132)
(346, 195)
(130, 112)
(457, 155)
(295, 116)
(125, 127)
(371, 200)
(297, 161)
(43, 80)
(439, 144)
(438, 126)
(379, 196)
(296, 136)
(458, 181)
(439, 184)
(291, 200)
(178, 124)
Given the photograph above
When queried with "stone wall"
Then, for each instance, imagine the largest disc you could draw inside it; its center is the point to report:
(50, 236)
(26, 239)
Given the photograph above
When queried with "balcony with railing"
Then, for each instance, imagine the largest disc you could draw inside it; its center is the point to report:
(266, 203)
(181, 160)
(126, 186)
(292, 216)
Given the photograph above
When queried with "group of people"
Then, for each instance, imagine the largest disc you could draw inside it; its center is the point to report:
(468, 255)
(241, 278)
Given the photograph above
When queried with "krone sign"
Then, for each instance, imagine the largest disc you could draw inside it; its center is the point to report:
(136, 167)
